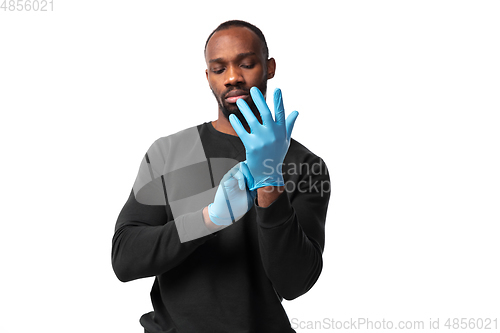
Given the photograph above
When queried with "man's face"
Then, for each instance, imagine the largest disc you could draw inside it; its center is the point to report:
(235, 63)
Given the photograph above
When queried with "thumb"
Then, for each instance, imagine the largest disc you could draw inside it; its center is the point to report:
(246, 172)
(290, 122)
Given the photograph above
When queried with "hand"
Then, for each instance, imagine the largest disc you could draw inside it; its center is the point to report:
(267, 144)
(232, 199)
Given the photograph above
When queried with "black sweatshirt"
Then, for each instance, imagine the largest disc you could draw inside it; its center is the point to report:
(235, 279)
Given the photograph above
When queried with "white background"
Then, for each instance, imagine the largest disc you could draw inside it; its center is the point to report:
(400, 98)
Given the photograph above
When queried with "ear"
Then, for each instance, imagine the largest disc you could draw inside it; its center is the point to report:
(206, 73)
(271, 68)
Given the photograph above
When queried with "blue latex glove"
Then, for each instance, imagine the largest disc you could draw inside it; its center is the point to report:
(267, 143)
(232, 199)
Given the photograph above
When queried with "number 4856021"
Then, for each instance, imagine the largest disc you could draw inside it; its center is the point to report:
(471, 323)
(27, 5)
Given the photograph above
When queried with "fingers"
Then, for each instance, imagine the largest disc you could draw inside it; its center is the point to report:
(260, 102)
(279, 109)
(237, 176)
(241, 179)
(237, 126)
(261, 105)
(248, 114)
(290, 122)
(229, 181)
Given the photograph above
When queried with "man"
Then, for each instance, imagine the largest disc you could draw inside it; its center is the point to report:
(228, 216)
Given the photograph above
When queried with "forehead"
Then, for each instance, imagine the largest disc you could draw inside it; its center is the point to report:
(233, 41)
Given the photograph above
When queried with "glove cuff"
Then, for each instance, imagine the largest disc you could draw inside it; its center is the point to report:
(216, 219)
(276, 180)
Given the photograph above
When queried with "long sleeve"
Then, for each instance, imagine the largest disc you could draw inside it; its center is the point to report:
(146, 243)
(292, 229)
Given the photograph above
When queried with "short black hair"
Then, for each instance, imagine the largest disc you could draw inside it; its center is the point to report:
(238, 23)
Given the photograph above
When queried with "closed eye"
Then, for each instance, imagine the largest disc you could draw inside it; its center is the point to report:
(248, 66)
(218, 71)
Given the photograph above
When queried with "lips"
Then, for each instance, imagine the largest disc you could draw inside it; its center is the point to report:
(234, 95)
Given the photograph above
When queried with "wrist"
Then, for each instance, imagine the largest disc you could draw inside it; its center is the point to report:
(208, 222)
(268, 194)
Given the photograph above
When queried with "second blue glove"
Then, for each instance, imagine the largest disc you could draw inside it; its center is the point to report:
(232, 199)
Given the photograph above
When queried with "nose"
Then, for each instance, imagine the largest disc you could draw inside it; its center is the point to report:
(233, 76)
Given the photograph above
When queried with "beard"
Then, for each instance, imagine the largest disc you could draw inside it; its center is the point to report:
(231, 108)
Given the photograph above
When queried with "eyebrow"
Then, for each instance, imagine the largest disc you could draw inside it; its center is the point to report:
(239, 56)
